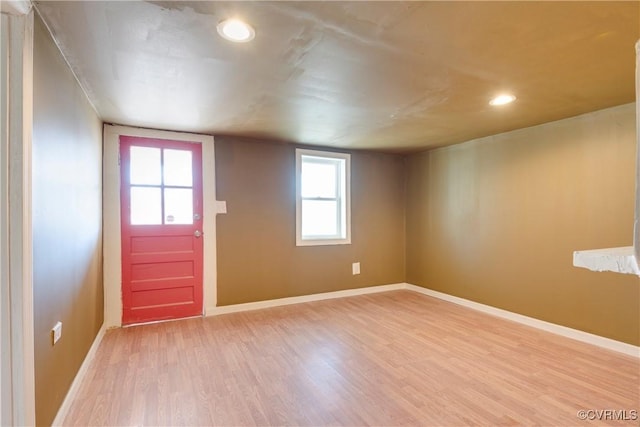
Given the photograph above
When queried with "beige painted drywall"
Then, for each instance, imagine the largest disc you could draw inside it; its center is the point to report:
(67, 224)
(257, 254)
(495, 220)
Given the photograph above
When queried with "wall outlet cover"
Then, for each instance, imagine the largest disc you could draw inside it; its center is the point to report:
(56, 332)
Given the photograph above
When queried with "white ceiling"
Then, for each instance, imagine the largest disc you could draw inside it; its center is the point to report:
(395, 76)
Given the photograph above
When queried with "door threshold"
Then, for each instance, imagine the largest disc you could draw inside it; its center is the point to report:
(152, 322)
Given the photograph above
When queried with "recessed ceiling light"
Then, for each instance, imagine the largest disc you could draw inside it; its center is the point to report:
(502, 99)
(236, 31)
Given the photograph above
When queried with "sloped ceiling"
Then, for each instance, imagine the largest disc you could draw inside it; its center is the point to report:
(395, 76)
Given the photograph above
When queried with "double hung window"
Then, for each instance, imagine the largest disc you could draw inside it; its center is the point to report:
(322, 198)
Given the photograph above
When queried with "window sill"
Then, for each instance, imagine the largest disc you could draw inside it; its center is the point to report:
(619, 260)
(323, 242)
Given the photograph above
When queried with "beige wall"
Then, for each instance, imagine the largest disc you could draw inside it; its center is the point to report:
(257, 254)
(67, 224)
(496, 220)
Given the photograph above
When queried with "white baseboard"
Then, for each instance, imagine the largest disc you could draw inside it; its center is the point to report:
(75, 385)
(564, 331)
(213, 311)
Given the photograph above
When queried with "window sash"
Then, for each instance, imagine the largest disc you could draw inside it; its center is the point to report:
(338, 219)
(336, 164)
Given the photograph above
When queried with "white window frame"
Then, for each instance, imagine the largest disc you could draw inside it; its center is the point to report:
(344, 198)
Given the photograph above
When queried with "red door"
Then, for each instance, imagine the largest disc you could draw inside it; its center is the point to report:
(161, 217)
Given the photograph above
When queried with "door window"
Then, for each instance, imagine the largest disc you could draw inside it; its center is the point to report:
(161, 186)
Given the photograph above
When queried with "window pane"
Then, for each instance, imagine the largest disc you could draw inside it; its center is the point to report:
(319, 218)
(145, 165)
(177, 168)
(145, 206)
(178, 206)
(318, 179)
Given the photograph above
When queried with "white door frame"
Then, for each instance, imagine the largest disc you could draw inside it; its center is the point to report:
(112, 248)
(17, 390)
(636, 236)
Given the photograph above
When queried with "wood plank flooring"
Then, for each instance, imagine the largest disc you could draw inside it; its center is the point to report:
(395, 358)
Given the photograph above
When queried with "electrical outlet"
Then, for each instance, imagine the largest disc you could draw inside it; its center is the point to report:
(355, 268)
(56, 332)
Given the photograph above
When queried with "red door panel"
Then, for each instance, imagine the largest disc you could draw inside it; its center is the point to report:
(161, 217)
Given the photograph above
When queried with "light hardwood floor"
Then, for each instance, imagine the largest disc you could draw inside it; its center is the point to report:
(395, 358)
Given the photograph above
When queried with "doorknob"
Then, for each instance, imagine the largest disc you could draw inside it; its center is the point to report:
(197, 233)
